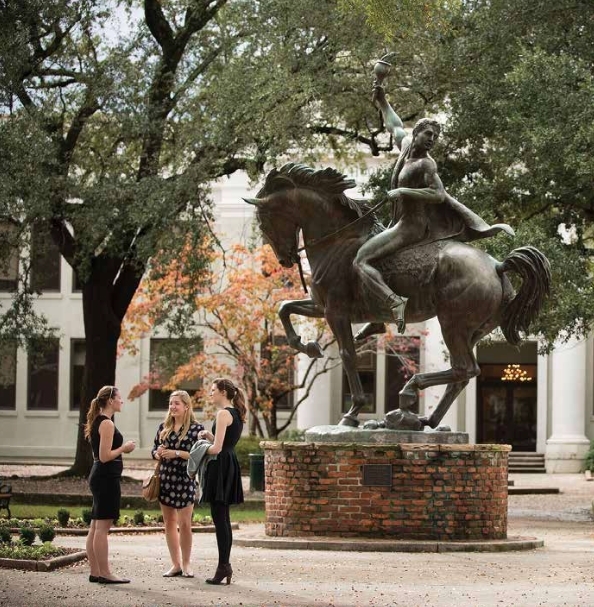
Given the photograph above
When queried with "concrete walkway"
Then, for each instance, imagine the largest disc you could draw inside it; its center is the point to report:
(560, 574)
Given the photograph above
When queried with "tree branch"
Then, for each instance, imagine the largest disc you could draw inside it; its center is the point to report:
(158, 25)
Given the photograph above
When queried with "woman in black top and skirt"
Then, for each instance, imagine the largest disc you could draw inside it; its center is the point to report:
(222, 484)
(108, 445)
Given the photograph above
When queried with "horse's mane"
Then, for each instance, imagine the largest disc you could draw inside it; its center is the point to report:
(327, 181)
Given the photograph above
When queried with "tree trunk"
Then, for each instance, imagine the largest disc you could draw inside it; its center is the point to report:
(102, 331)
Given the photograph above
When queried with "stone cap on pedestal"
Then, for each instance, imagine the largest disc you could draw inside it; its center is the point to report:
(382, 436)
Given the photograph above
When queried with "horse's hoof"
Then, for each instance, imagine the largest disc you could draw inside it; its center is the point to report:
(314, 350)
(402, 419)
(347, 420)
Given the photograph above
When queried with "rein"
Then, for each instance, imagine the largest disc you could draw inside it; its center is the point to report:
(317, 241)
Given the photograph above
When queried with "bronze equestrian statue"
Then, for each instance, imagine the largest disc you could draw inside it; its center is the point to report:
(363, 272)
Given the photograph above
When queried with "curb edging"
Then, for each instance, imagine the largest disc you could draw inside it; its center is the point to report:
(48, 565)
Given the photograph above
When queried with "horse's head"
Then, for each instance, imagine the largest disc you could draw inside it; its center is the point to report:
(299, 197)
(276, 218)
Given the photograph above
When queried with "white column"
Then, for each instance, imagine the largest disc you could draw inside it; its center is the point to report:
(317, 409)
(566, 447)
(471, 407)
(542, 401)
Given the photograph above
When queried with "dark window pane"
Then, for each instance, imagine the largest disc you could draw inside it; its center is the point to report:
(402, 362)
(45, 261)
(9, 257)
(44, 356)
(166, 355)
(8, 376)
(77, 367)
(76, 283)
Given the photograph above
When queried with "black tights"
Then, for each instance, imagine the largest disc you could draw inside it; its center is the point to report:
(220, 517)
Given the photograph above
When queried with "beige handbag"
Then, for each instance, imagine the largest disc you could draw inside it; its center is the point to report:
(152, 485)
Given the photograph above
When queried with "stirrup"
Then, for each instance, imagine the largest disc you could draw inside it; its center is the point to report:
(397, 305)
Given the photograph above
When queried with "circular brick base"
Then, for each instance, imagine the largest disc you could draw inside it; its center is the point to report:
(430, 492)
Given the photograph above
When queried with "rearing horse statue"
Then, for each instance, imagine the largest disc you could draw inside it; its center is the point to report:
(466, 288)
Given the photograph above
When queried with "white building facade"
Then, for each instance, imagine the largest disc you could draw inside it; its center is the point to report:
(536, 403)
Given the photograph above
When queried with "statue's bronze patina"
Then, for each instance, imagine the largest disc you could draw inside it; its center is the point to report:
(363, 272)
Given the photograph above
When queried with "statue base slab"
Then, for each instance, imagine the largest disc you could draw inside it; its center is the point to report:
(382, 436)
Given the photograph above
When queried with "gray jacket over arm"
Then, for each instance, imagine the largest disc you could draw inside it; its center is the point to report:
(197, 463)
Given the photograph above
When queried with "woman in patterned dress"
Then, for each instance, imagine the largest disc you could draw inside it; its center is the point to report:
(175, 437)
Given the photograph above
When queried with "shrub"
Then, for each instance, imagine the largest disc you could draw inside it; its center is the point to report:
(46, 533)
(18, 551)
(245, 446)
(139, 517)
(63, 517)
(293, 435)
(589, 461)
(86, 515)
(5, 536)
(27, 536)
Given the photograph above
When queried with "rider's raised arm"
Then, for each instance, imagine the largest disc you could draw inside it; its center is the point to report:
(392, 121)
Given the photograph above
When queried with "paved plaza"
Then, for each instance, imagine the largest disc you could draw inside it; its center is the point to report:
(560, 574)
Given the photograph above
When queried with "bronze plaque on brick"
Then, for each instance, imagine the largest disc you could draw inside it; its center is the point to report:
(377, 474)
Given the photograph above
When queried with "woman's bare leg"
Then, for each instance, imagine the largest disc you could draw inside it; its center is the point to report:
(184, 520)
(93, 562)
(172, 537)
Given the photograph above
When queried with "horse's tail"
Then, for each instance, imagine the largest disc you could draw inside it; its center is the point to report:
(535, 271)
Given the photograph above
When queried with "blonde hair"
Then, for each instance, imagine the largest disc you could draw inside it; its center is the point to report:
(188, 419)
(103, 396)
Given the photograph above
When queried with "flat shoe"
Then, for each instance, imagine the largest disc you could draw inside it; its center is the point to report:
(187, 574)
(173, 573)
(93, 579)
(106, 580)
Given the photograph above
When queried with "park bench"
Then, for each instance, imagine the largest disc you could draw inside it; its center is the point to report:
(5, 495)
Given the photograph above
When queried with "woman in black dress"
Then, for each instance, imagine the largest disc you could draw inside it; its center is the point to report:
(104, 480)
(173, 442)
(222, 484)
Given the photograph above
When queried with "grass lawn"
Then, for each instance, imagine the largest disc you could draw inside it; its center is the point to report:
(238, 515)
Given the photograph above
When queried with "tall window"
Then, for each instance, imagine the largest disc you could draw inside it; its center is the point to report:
(8, 376)
(366, 366)
(44, 355)
(9, 258)
(77, 367)
(402, 362)
(45, 261)
(166, 355)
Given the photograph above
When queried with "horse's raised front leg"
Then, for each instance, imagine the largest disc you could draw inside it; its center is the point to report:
(302, 307)
(342, 330)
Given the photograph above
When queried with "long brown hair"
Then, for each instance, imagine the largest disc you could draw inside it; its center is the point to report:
(188, 419)
(103, 396)
(234, 394)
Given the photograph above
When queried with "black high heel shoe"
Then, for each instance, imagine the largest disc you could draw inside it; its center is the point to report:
(222, 572)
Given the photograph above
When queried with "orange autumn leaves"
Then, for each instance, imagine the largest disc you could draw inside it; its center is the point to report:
(236, 304)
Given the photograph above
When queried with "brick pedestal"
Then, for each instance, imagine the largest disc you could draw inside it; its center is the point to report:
(435, 492)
